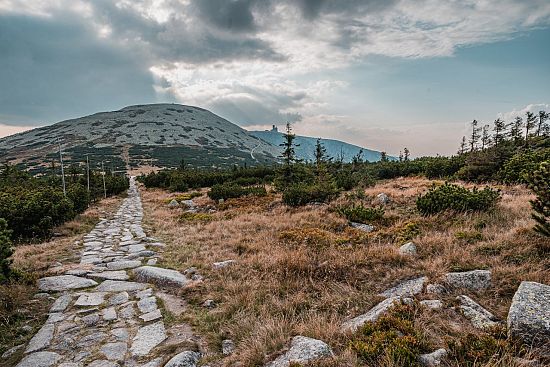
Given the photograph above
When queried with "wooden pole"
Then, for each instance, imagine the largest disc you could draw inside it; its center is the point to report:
(103, 175)
(62, 170)
(88, 171)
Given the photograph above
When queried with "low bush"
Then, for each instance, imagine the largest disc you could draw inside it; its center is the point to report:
(195, 217)
(230, 190)
(5, 250)
(392, 338)
(457, 198)
(472, 350)
(360, 213)
(302, 194)
(539, 182)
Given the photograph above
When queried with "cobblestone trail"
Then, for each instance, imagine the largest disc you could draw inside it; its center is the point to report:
(100, 318)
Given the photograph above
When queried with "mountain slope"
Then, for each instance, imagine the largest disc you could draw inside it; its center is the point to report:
(306, 148)
(156, 134)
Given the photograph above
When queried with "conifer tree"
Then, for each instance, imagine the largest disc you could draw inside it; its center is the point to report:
(539, 182)
(320, 153)
(498, 127)
(516, 128)
(406, 154)
(543, 116)
(474, 137)
(289, 153)
(462, 148)
(384, 157)
(530, 121)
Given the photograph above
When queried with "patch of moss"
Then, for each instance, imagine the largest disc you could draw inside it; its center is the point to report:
(195, 217)
(469, 236)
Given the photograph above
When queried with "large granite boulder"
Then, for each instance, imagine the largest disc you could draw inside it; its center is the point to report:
(60, 283)
(160, 276)
(410, 287)
(302, 350)
(476, 280)
(529, 315)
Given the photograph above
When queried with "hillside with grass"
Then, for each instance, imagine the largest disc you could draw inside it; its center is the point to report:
(433, 261)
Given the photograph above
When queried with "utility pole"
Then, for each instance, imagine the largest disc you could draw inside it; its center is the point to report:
(103, 175)
(88, 171)
(62, 171)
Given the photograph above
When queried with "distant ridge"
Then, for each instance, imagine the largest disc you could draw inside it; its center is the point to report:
(306, 148)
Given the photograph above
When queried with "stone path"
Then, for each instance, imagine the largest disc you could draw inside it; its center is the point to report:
(101, 318)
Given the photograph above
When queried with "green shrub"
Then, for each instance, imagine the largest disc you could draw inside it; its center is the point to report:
(472, 350)
(79, 196)
(520, 166)
(392, 338)
(360, 213)
(230, 190)
(5, 250)
(457, 198)
(539, 182)
(302, 194)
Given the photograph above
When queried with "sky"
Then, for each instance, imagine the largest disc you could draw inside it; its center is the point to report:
(383, 74)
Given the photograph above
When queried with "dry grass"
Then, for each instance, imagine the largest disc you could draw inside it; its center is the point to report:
(304, 271)
(18, 306)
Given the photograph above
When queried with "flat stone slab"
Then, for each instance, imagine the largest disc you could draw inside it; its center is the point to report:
(119, 286)
(112, 275)
(147, 338)
(41, 339)
(478, 316)
(371, 316)
(147, 304)
(61, 303)
(160, 276)
(184, 359)
(60, 283)
(90, 299)
(40, 359)
(302, 350)
(529, 315)
(121, 265)
(115, 351)
(151, 316)
(407, 288)
(475, 279)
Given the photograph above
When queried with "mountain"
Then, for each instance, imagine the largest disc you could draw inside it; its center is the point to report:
(154, 135)
(306, 148)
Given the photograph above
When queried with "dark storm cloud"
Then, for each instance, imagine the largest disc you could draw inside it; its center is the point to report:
(227, 15)
(51, 69)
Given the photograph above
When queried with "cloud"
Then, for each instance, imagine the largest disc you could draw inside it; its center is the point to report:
(252, 61)
(534, 107)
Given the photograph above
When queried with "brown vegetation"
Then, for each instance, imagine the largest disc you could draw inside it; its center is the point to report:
(304, 271)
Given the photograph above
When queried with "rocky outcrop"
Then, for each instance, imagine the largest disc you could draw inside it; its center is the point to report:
(302, 350)
(529, 315)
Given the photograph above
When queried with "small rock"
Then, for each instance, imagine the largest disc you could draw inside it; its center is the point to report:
(228, 346)
(223, 264)
(433, 359)
(371, 316)
(529, 315)
(407, 288)
(383, 198)
(173, 204)
(302, 350)
(209, 303)
(147, 304)
(190, 271)
(40, 359)
(362, 227)
(26, 328)
(152, 261)
(184, 359)
(109, 314)
(433, 304)
(90, 320)
(408, 249)
(475, 280)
